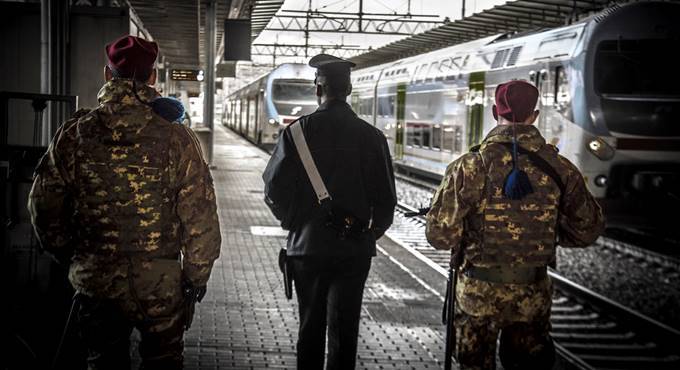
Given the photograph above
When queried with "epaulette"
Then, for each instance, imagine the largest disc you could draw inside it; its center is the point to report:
(81, 113)
(553, 147)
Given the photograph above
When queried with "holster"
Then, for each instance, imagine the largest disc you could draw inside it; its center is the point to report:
(345, 223)
(287, 272)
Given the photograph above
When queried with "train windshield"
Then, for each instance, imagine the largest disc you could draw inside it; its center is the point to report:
(638, 84)
(294, 97)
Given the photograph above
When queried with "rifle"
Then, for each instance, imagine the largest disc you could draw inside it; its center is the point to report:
(449, 308)
(450, 299)
(419, 212)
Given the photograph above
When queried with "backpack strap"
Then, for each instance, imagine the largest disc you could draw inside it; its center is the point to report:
(542, 164)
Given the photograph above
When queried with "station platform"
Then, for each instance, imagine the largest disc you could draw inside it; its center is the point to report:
(245, 321)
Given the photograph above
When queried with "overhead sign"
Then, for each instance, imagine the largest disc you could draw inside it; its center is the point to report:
(226, 69)
(237, 39)
(186, 75)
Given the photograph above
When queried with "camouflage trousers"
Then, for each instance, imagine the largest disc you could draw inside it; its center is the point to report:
(519, 312)
(105, 326)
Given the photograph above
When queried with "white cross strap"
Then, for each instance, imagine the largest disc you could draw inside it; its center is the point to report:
(308, 162)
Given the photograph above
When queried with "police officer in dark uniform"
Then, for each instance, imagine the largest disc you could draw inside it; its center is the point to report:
(330, 266)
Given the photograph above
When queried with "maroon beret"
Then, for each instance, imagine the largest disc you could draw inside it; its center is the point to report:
(515, 100)
(131, 56)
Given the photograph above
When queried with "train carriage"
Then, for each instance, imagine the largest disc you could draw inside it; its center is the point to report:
(609, 98)
(260, 109)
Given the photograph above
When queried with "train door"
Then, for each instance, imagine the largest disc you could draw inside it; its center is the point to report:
(400, 115)
(237, 116)
(354, 101)
(543, 83)
(249, 120)
(261, 121)
(475, 103)
(252, 118)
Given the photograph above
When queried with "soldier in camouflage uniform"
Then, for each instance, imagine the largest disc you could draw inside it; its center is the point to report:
(118, 195)
(507, 243)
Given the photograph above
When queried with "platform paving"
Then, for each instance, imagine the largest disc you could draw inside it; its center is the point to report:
(245, 322)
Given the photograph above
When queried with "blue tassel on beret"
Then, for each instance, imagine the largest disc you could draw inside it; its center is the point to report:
(169, 108)
(517, 184)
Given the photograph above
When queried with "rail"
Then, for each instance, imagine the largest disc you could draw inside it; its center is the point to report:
(590, 330)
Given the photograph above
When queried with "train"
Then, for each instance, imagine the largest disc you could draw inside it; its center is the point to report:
(260, 109)
(609, 101)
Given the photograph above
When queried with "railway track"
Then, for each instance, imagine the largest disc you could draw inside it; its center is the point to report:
(653, 260)
(590, 330)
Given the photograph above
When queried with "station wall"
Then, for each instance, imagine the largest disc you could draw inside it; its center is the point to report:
(90, 28)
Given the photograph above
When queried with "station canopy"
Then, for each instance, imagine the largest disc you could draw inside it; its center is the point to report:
(178, 25)
(511, 17)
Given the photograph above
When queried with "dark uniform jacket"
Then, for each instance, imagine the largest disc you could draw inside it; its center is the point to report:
(354, 161)
(123, 191)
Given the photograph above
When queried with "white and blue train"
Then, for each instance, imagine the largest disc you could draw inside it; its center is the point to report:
(609, 100)
(260, 109)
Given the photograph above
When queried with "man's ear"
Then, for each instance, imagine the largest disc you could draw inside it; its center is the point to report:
(152, 77)
(349, 89)
(533, 117)
(108, 75)
(495, 112)
(319, 91)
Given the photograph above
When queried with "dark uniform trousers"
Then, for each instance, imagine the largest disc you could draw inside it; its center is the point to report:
(105, 330)
(329, 291)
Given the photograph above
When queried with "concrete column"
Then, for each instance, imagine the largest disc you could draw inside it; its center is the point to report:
(209, 82)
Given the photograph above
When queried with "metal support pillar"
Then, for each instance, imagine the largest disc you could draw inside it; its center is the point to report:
(54, 57)
(45, 62)
(209, 82)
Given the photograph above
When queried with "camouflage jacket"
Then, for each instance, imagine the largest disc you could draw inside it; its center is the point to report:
(470, 211)
(120, 186)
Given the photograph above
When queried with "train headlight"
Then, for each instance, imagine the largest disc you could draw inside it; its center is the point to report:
(601, 181)
(272, 121)
(600, 149)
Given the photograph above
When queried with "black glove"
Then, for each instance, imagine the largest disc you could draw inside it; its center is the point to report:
(199, 292)
(193, 293)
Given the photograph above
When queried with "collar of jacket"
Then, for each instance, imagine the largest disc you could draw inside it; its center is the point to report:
(120, 109)
(528, 136)
(331, 103)
(119, 91)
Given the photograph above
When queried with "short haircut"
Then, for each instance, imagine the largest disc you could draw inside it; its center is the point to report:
(335, 85)
(139, 75)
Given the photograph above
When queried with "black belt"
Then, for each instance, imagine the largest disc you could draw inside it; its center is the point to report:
(507, 274)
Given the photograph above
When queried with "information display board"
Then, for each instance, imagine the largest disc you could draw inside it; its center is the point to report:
(186, 75)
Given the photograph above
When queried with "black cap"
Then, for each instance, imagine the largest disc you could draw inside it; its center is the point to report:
(329, 64)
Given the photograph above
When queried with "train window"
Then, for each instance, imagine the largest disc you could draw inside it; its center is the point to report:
(514, 55)
(437, 137)
(413, 132)
(499, 58)
(418, 134)
(452, 139)
(386, 106)
(635, 67)
(638, 82)
(426, 134)
(562, 96)
(366, 106)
